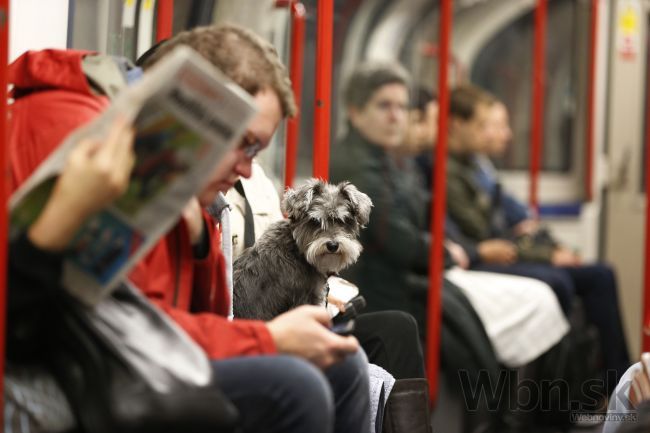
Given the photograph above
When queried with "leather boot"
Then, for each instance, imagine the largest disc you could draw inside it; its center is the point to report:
(407, 408)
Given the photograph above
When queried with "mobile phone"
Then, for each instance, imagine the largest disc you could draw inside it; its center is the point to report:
(352, 309)
(344, 328)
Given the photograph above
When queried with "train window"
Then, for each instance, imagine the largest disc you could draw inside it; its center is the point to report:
(504, 67)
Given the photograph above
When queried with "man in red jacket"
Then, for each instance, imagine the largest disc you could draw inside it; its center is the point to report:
(184, 273)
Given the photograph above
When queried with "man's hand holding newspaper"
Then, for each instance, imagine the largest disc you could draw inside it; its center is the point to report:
(95, 175)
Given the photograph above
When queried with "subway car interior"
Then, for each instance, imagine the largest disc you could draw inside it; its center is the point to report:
(475, 171)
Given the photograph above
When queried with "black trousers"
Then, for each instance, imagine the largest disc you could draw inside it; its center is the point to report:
(391, 341)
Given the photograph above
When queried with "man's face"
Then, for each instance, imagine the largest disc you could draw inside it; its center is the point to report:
(474, 134)
(383, 120)
(501, 132)
(237, 161)
(422, 130)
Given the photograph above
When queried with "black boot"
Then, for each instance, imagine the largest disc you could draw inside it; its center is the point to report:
(407, 408)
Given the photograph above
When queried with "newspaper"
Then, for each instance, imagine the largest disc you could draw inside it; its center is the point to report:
(186, 115)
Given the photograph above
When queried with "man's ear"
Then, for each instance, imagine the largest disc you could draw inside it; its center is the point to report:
(455, 123)
(353, 115)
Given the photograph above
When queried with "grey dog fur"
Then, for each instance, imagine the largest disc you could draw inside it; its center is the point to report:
(289, 264)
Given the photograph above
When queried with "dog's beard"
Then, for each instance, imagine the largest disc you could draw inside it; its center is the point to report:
(325, 262)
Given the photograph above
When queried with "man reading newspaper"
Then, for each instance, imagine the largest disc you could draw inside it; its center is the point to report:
(186, 115)
(183, 273)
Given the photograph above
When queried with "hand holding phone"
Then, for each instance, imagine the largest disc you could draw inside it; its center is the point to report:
(343, 328)
(352, 309)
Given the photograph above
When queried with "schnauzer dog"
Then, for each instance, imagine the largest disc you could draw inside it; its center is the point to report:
(289, 264)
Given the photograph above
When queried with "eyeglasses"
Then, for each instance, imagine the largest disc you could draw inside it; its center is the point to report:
(251, 146)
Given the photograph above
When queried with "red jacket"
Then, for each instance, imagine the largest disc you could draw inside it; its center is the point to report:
(52, 98)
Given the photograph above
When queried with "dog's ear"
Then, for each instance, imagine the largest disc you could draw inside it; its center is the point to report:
(361, 203)
(296, 202)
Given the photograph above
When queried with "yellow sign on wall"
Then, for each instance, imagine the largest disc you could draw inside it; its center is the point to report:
(629, 29)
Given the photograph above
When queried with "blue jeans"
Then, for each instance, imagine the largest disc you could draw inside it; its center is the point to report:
(288, 394)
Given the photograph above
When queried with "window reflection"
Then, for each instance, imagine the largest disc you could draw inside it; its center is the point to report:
(504, 67)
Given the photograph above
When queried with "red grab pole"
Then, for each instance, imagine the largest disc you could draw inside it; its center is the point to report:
(438, 204)
(4, 58)
(539, 73)
(323, 89)
(645, 343)
(295, 72)
(591, 100)
(164, 20)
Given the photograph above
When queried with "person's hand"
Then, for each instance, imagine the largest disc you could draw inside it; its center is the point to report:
(526, 227)
(497, 251)
(458, 254)
(336, 302)
(95, 174)
(194, 218)
(303, 332)
(640, 386)
(565, 257)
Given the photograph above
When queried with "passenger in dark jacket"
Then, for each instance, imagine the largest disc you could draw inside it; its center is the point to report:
(392, 271)
(534, 255)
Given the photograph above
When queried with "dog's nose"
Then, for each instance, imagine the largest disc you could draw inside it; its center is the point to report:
(332, 246)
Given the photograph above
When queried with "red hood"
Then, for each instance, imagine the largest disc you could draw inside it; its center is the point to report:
(49, 69)
(53, 98)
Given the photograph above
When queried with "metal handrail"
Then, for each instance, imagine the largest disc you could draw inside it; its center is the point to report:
(645, 335)
(438, 204)
(539, 75)
(4, 223)
(297, 56)
(164, 20)
(322, 112)
(591, 100)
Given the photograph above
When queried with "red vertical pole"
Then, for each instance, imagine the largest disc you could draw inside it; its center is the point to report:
(645, 343)
(164, 20)
(438, 203)
(323, 89)
(4, 58)
(591, 100)
(539, 74)
(295, 72)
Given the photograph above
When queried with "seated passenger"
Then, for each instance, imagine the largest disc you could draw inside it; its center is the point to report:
(296, 395)
(472, 212)
(34, 401)
(626, 398)
(384, 336)
(513, 214)
(389, 338)
(392, 271)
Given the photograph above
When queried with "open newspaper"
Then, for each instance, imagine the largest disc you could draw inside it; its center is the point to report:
(186, 115)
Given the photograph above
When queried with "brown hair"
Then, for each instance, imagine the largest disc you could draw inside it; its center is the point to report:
(465, 98)
(369, 77)
(246, 58)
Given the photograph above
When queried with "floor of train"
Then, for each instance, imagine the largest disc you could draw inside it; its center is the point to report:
(594, 429)
(447, 418)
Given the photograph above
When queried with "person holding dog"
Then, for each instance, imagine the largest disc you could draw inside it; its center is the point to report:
(290, 374)
(285, 383)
